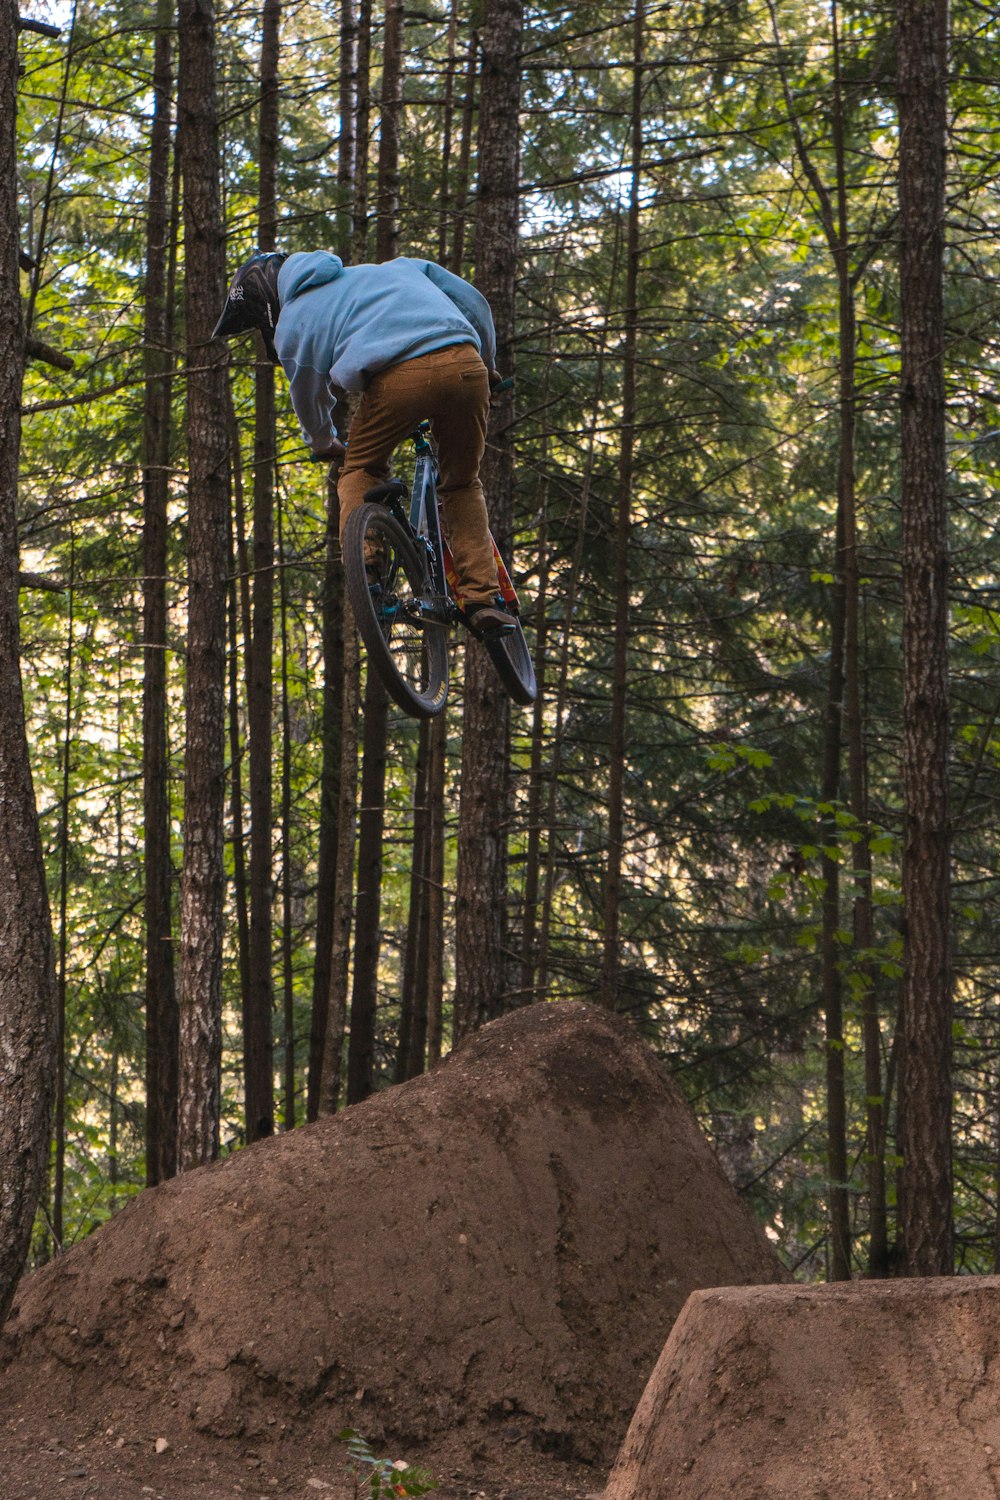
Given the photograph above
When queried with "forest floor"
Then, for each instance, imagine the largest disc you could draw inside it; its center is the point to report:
(476, 1271)
(122, 1464)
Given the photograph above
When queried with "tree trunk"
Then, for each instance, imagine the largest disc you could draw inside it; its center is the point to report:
(287, 971)
(540, 747)
(433, 965)
(481, 982)
(326, 876)
(343, 906)
(447, 130)
(830, 951)
(359, 233)
(333, 618)
(258, 1039)
(238, 608)
(347, 142)
(844, 704)
(208, 498)
(59, 1152)
(845, 559)
(611, 894)
(367, 934)
(161, 991)
(27, 971)
(413, 990)
(375, 717)
(460, 191)
(390, 127)
(927, 1009)
(562, 693)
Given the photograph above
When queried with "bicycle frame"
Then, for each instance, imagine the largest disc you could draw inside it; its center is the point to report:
(425, 515)
(425, 523)
(404, 610)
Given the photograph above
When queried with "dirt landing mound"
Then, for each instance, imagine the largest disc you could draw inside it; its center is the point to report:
(831, 1393)
(495, 1250)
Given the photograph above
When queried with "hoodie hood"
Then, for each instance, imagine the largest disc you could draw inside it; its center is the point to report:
(305, 270)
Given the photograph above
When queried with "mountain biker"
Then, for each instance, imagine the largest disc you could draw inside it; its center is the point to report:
(415, 342)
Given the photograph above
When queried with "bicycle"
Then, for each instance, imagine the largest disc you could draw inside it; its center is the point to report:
(404, 616)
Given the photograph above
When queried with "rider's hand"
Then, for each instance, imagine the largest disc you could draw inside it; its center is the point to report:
(498, 384)
(334, 454)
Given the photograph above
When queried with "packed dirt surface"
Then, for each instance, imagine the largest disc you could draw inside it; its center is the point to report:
(869, 1391)
(476, 1270)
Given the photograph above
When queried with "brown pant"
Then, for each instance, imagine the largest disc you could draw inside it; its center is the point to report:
(451, 387)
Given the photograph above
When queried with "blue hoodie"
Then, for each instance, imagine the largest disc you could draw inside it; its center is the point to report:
(340, 325)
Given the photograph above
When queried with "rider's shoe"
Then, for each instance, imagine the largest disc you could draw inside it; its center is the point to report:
(490, 618)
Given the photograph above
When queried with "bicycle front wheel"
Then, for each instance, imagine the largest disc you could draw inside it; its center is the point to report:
(394, 608)
(512, 660)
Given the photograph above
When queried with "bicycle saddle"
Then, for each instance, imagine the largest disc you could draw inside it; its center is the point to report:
(392, 489)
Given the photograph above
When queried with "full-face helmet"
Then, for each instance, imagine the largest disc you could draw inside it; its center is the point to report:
(252, 300)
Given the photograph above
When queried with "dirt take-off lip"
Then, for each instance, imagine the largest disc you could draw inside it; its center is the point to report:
(867, 1391)
(491, 1254)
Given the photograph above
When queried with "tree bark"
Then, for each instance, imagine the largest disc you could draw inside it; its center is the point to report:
(433, 966)
(562, 690)
(460, 191)
(27, 970)
(347, 142)
(203, 884)
(482, 985)
(830, 952)
(447, 130)
(258, 1038)
(343, 906)
(367, 934)
(844, 706)
(611, 895)
(413, 990)
(287, 970)
(390, 127)
(162, 1038)
(333, 619)
(375, 717)
(927, 1007)
(540, 747)
(237, 612)
(334, 682)
(359, 230)
(62, 939)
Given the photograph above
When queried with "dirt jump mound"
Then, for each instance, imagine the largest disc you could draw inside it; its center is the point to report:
(870, 1391)
(495, 1250)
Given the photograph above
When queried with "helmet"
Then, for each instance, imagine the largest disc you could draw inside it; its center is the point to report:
(252, 301)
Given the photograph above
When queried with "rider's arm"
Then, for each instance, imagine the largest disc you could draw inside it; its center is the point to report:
(313, 401)
(471, 303)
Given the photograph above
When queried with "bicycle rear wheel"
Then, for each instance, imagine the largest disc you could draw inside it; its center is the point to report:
(512, 660)
(406, 646)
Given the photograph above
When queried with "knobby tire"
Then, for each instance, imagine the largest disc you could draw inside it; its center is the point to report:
(512, 660)
(408, 651)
